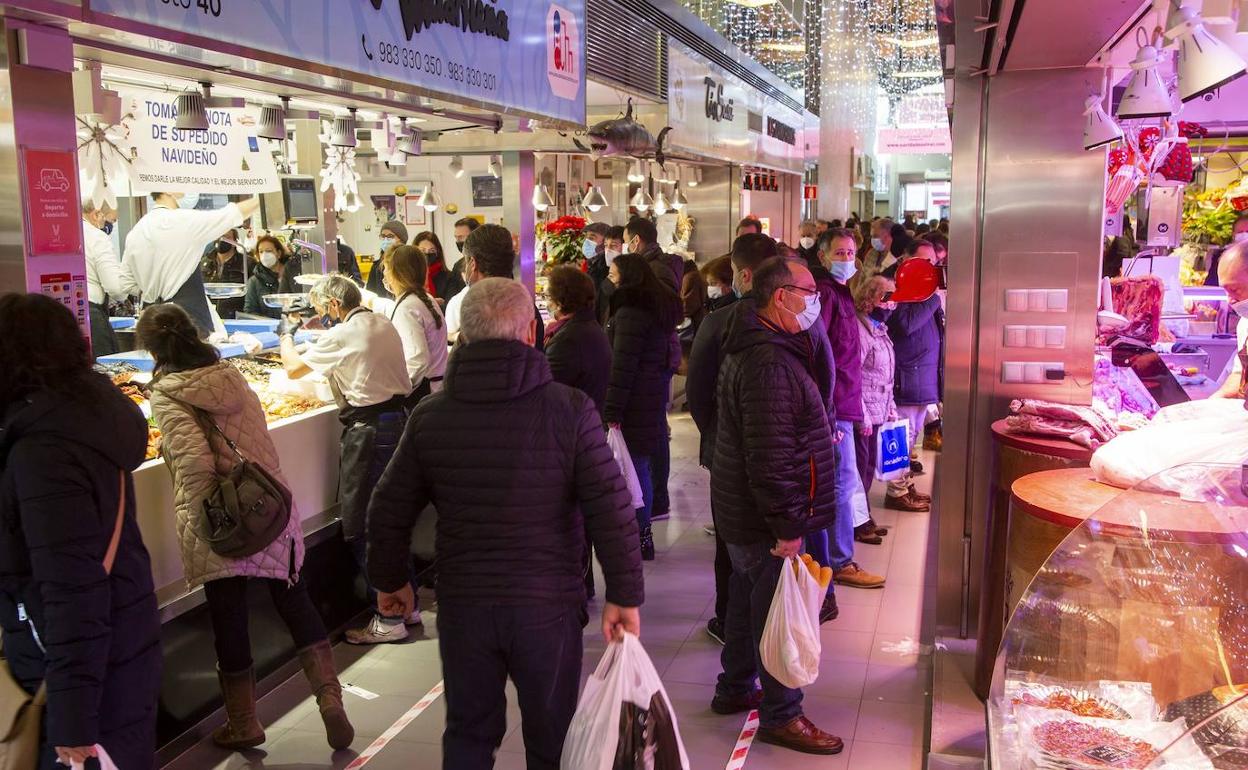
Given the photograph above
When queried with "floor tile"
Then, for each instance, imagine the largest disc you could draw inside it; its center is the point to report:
(897, 684)
(869, 755)
(895, 723)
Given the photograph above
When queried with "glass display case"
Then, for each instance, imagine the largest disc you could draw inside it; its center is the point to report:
(1130, 647)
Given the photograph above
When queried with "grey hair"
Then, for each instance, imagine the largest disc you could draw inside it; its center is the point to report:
(496, 309)
(89, 207)
(336, 286)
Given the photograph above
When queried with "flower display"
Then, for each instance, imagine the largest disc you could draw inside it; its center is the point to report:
(564, 239)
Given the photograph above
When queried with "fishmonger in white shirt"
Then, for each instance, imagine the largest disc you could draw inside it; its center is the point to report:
(164, 249)
(416, 316)
(105, 277)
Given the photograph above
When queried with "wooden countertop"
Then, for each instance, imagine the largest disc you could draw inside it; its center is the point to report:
(1068, 497)
(1054, 447)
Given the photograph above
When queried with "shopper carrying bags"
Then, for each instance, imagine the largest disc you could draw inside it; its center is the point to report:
(210, 417)
(75, 621)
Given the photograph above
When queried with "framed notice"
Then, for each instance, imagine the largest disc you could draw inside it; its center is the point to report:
(53, 222)
(413, 212)
(487, 191)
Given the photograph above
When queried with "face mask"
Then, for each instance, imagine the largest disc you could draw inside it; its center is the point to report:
(223, 247)
(1241, 308)
(843, 271)
(589, 249)
(877, 244)
(807, 243)
(459, 246)
(1241, 237)
(611, 254)
(107, 228)
(714, 292)
(268, 259)
(809, 315)
(386, 244)
(188, 201)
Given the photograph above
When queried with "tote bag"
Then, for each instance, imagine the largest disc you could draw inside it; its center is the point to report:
(892, 447)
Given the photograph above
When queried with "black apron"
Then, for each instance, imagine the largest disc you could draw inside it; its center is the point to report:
(103, 338)
(193, 299)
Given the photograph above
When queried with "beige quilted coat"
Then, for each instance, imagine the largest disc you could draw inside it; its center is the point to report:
(194, 460)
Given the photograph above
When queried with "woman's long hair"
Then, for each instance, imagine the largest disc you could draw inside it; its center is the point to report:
(41, 348)
(407, 270)
(640, 287)
(428, 235)
(168, 333)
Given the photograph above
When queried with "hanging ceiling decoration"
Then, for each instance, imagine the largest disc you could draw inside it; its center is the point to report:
(104, 167)
(339, 174)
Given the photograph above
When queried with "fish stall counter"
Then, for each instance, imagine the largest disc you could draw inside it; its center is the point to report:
(303, 423)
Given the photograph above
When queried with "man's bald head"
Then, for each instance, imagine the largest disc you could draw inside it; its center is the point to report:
(1233, 271)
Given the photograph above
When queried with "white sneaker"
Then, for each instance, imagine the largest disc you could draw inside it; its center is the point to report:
(378, 631)
(413, 619)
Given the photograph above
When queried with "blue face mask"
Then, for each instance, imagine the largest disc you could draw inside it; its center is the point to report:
(107, 228)
(843, 271)
(589, 249)
(386, 244)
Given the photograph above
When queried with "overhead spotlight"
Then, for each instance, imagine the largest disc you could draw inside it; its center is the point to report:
(635, 174)
(272, 122)
(594, 199)
(429, 199)
(679, 201)
(409, 139)
(660, 202)
(541, 198)
(642, 200)
(457, 166)
(1205, 63)
(695, 174)
(343, 133)
(192, 115)
(1099, 129)
(495, 167)
(1146, 95)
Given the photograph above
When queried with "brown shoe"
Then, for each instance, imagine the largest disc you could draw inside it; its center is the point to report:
(856, 577)
(866, 534)
(881, 531)
(906, 503)
(921, 497)
(318, 667)
(801, 735)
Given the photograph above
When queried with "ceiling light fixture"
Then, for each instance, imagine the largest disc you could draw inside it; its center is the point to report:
(642, 200)
(660, 204)
(679, 201)
(429, 199)
(635, 173)
(594, 199)
(457, 166)
(343, 134)
(1146, 95)
(192, 116)
(495, 167)
(1204, 63)
(1099, 129)
(541, 198)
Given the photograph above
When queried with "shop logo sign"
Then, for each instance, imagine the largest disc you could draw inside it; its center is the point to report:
(718, 109)
(563, 54)
(475, 16)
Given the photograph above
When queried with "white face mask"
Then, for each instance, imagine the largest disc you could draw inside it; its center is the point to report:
(807, 243)
(1241, 237)
(810, 314)
(268, 259)
(188, 201)
(714, 292)
(611, 254)
(1241, 308)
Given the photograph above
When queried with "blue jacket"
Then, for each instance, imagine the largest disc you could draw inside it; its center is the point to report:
(917, 330)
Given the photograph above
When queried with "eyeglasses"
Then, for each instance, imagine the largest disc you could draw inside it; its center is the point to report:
(800, 291)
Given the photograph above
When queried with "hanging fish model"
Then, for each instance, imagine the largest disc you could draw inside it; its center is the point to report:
(623, 136)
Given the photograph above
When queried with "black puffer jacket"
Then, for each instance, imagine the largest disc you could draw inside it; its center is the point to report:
(641, 375)
(580, 356)
(61, 461)
(774, 474)
(519, 470)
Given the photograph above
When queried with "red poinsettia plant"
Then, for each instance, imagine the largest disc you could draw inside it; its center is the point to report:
(564, 238)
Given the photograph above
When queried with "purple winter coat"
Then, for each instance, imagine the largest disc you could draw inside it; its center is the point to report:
(841, 320)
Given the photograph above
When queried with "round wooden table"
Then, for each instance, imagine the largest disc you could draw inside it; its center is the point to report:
(1017, 455)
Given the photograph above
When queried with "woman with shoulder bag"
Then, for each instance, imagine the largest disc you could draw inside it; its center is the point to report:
(211, 421)
(77, 605)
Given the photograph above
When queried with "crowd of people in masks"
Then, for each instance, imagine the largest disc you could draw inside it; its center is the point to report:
(794, 357)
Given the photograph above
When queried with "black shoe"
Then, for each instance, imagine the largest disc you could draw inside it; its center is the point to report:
(829, 610)
(660, 515)
(916, 467)
(647, 544)
(715, 629)
(726, 706)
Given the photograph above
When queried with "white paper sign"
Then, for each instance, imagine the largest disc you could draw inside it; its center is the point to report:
(228, 158)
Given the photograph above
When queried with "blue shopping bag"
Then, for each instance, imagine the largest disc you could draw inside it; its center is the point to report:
(892, 450)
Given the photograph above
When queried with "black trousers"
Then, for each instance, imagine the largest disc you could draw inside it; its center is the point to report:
(103, 338)
(539, 648)
(227, 606)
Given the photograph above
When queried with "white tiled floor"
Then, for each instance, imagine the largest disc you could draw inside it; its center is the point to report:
(872, 689)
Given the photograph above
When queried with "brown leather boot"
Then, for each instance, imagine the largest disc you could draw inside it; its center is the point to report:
(801, 735)
(917, 495)
(906, 503)
(242, 730)
(318, 667)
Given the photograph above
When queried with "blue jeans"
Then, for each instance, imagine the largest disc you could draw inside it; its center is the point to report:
(642, 464)
(841, 533)
(755, 573)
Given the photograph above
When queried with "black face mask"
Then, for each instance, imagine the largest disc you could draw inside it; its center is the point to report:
(459, 245)
(224, 247)
(107, 228)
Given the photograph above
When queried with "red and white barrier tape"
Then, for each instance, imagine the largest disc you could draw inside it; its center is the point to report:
(393, 730)
(744, 741)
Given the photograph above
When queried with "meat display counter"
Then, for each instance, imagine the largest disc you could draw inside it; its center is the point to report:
(1129, 648)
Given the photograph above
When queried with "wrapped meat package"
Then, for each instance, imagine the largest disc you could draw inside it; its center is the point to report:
(1054, 740)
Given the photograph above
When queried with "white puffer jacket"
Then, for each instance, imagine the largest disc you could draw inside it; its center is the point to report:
(196, 458)
(879, 365)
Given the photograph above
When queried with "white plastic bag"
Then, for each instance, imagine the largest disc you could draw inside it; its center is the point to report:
(106, 762)
(625, 678)
(1167, 446)
(790, 646)
(615, 440)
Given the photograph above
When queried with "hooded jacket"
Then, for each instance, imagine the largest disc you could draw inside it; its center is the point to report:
(519, 471)
(580, 356)
(774, 473)
(879, 366)
(196, 458)
(61, 461)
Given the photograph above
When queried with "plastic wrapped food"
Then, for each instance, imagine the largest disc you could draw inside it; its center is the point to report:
(1164, 449)
(1119, 390)
(1050, 741)
(1224, 738)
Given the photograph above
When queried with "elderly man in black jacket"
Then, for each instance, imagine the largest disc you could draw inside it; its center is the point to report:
(519, 470)
(772, 482)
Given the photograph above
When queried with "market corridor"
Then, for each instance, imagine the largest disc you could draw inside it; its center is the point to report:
(871, 689)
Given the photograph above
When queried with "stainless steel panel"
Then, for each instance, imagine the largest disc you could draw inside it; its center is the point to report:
(12, 255)
(519, 216)
(1063, 33)
(713, 203)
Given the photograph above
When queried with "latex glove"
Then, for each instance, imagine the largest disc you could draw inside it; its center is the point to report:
(287, 325)
(218, 338)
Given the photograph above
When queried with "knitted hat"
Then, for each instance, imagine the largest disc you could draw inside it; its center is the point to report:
(398, 228)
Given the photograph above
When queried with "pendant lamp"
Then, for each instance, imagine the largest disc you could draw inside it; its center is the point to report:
(594, 199)
(429, 199)
(542, 199)
(1099, 129)
(679, 201)
(409, 139)
(1205, 63)
(642, 200)
(192, 115)
(272, 122)
(343, 133)
(660, 202)
(695, 175)
(457, 166)
(635, 174)
(1146, 95)
(495, 167)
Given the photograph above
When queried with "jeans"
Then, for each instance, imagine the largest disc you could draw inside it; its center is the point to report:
(539, 648)
(367, 446)
(227, 607)
(642, 464)
(723, 577)
(848, 484)
(755, 573)
(660, 473)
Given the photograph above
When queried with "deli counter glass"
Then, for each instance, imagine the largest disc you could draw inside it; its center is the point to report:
(1130, 647)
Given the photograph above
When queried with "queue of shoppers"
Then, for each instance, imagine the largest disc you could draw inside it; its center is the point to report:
(796, 361)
